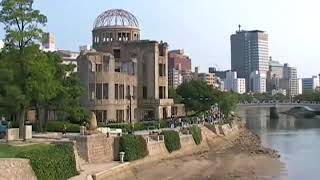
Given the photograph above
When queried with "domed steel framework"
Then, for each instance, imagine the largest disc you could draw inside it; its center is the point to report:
(116, 18)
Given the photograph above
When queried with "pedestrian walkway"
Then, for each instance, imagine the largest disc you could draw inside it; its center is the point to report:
(89, 169)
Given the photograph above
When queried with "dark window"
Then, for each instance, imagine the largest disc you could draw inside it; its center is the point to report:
(120, 115)
(162, 92)
(116, 91)
(105, 91)
(128, 91)
(121, 91)
(105, 63)
(145, 92)
(162, 70)
(98, 67)
(116, 53)
(98, 91)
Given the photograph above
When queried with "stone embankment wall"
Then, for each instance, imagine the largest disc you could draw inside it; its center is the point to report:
(97, 148)
(16, 169)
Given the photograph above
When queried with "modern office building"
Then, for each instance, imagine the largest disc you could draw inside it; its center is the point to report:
(310, 84)
(249, 53)
(233, 83)
(274, 75)
(125, 78)
(289, 80)
(174, 78)
(48, 42)
(177, 59)
(258, 82)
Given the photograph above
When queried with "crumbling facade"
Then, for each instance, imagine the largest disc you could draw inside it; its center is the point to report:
(125, 78)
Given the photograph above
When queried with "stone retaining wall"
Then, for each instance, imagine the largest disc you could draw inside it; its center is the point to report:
(16, 169)
(97, 148)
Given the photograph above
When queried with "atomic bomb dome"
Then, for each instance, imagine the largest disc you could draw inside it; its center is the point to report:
(115, 25)
(116, 18)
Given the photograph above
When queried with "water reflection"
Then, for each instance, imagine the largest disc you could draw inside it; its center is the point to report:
(258, 118)
(297, 139)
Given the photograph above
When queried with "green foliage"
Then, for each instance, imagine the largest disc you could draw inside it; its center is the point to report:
(21, 23)
(228, 102)
(135, 147)
(309, 96)
(53, 162)
(173, 94)
(196, 134)
(197, 95)
(172, 140)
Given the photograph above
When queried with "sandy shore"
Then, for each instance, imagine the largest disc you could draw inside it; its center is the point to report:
(239, 156)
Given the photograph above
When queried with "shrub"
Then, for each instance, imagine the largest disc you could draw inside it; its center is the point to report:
(134, 146)
(57, 126)
(52, 162)
(196, 134)
(172, 140)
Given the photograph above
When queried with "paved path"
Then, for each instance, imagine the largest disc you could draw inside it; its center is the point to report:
(90, 169)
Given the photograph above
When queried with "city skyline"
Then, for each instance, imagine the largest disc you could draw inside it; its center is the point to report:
(205, 32)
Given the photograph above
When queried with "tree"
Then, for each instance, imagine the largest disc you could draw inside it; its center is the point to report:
(197, 95)
(228, 102)
(173, 94)
(22, 30)
(21, 23)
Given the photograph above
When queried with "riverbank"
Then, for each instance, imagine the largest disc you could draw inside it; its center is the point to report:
(237, 156)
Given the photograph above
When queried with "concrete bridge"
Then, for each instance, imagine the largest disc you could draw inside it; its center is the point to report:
(283, 105)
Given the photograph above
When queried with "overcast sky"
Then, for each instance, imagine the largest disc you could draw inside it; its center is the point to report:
(201, 27)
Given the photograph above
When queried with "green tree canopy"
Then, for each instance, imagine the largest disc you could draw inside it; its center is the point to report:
(197, 95)
(21, 23)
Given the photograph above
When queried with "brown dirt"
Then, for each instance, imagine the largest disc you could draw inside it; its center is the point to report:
(239, 156)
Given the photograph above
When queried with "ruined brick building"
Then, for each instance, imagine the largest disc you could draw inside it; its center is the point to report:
(124, 75)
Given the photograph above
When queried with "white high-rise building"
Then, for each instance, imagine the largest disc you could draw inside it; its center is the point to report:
(258, 82)
(174, 78)
(233, 83)
(299, 86)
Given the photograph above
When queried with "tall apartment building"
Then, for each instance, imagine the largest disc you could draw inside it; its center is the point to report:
(177, 59)
(289, 80)
(249, 53)
(125, 78)
(174, 78)
(258, 82)
(48, 42)
(310, 84)
(233, 83)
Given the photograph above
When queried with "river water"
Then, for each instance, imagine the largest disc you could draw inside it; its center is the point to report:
(297, 140)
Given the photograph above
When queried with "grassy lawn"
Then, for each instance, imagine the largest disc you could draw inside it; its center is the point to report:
(9, 151)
